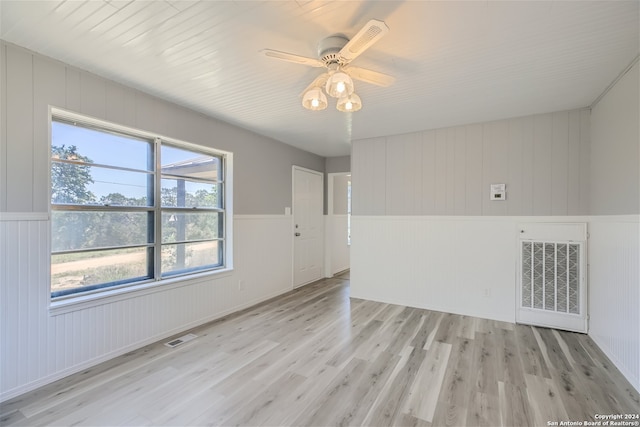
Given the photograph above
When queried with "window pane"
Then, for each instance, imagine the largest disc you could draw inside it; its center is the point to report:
(105, 198)
(75, 142)
(183, 257)
(176, 161)
(72, 230)
(92, 185)
(181, 193)
(178, 227)
(85, 271)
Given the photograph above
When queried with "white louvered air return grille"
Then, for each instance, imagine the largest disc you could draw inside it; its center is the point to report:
(552, 275)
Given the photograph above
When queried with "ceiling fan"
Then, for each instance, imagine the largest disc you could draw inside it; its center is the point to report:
(335, 53)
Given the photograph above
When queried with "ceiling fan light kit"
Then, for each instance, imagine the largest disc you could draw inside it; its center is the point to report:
(335, 53)
(339, 84)
(314, 99)
(349, 103)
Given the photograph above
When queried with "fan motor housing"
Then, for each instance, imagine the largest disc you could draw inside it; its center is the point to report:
(329, 48)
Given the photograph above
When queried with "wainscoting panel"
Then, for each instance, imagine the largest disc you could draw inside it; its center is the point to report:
(338, 252)
(23, 306)
(614, 291)
(462, 265)
(38, 347)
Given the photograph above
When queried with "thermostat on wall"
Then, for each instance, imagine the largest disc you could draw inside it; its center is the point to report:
(498, 192)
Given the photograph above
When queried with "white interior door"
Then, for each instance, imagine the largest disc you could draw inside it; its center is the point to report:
(308, 240)
(552, 285)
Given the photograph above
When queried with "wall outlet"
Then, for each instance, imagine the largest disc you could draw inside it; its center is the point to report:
(486, 292)
(241, 285)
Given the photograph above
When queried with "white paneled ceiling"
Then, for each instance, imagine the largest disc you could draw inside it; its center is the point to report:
(454, 62)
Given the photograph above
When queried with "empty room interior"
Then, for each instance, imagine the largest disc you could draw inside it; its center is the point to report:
(319, 213)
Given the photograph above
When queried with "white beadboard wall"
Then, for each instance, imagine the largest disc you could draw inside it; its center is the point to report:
(441, 263)
(614, 255)
(543, 159)
(38, 348)
(338, 250)
(614, 294)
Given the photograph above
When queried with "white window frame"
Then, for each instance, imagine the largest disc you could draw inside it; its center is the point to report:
(81, 300)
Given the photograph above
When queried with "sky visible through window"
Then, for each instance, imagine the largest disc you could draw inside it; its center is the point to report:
(104, 202)
(114, 150)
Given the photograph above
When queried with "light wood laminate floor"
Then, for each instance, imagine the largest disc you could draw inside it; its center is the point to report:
(316, 357)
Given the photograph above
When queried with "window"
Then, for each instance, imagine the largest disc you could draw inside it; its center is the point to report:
(129, 208)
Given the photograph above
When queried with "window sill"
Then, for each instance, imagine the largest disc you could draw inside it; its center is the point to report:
(81, 302)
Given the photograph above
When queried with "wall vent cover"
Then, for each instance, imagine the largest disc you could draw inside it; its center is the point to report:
(179, 341)
(551, 276)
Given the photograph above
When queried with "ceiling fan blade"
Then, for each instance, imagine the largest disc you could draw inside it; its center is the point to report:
(370, 76)
(318, 82)
(290, 57)
(373, 31)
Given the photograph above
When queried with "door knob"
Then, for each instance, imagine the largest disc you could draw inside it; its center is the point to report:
(297, 234)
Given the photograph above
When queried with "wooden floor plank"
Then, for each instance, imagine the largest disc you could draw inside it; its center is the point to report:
(423, 395)
(545, 401)
(467, 327)
(532, 360)
(408, 330)
(350, 348)
(388, 408)
(370, 386)
(337, 399)
(510, 369)
(484, 410)
(409, 421)
(514, 405)
(316, 357)
(485, 365)
(184, 412)
(305, 397)
(453, 400)
(265, 405)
